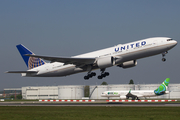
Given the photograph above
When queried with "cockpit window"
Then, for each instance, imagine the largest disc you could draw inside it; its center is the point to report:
(169, 39)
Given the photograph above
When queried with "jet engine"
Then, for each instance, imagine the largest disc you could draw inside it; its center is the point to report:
(105, 62)
(128, 64)
(123, 97)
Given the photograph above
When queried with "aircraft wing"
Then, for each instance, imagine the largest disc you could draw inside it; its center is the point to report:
(130, 95)
(21, 71)
(66, 60)
(134, 95)
(139, 95)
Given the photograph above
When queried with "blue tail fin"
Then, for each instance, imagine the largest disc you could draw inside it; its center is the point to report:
(31, 62)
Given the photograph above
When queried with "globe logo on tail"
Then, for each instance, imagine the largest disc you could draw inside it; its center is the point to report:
(35, 62)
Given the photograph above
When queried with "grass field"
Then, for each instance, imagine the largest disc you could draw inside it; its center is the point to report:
(88, 113)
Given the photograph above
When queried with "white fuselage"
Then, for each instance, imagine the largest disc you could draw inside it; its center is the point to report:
(138, 93)
(126, 52)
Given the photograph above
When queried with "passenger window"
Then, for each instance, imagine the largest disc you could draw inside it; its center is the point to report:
(169, 39)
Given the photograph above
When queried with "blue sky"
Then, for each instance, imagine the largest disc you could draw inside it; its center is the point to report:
(68, 28)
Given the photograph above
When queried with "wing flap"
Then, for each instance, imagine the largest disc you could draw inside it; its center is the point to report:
(21, 72)
(66, 60)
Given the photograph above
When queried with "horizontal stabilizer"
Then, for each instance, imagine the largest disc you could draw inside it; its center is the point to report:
(21, 72)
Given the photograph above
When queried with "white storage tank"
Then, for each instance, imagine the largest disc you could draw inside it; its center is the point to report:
(40, 92)
(147, 86)
(48, 92)
(121, 87)
(24, 93)
(32, 93)
(70, 92)
(97, 91)
(174, 91)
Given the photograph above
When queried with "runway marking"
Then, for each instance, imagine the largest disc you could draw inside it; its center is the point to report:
(66, 100)
(108, 100)
(141, 100)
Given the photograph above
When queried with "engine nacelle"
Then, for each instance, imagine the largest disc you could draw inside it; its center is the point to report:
(123, 97)
(105, 62)
(128, 64)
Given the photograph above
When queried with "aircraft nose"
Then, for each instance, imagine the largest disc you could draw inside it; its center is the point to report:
(175, 42)
(103, 94)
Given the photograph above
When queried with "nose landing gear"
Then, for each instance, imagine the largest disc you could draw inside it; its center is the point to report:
(163, 54)
(163, 59)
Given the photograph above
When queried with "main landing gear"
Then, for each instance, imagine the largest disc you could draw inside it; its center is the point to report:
(91, 74)
(103, 74)
(163, 54)
(135, 98)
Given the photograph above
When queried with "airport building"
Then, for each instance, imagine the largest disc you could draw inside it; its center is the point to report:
(53, 92)
(77, 91)
(41, 92)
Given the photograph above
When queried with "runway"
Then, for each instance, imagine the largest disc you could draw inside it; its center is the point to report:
(89, 104)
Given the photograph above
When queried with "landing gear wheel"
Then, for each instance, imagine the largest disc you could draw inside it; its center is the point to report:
(99, 77)
(93, 74)
(163, 54)
(106, 73)
(86, 77)
(163, 59)
(103, 75)
(89, 75)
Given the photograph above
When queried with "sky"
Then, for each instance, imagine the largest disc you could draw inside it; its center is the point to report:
(72, 27)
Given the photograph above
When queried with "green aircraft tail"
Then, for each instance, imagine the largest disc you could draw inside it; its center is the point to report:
(162, 88)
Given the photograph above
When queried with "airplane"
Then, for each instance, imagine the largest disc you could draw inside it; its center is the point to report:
(136, 94)
(121, 55)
